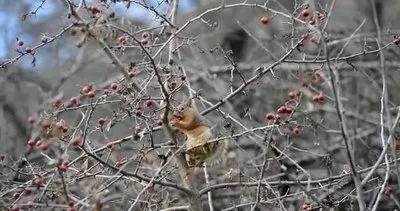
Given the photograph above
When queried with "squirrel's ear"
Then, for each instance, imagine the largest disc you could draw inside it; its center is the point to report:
(189, 103)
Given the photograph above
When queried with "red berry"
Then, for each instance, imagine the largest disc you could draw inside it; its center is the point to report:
(149, 103)
(16, 195)
(296, 130)
(44, 146)
(79, 23)
(20, 42)
(131, 74)
(388, 191)
(139, 112)
(312, 21)
(265, 20)
(321, 98)
(28, 50)
(76, 141)
(159, 122)
(114, 86)
(320, 15)
(64, 129)
(304, 36)
(109, 146)
(71, 209)
(292, 95)
(183, 77)
(85, 89)
(270, 116)
(281, 109)
(79, 44)
(63, 168)
(15, 208)
(73, 31)
(46, 123)
(144, 41)
(145, 35)
(30, 204)
(122, 39)
(305, 12)
(397, 41)
(118, 164)
(31, 142)
(75, 101)
(91, 94)
(277, 121)
(31, 120)
(58, 101)
(101, 121)
(106, 91)
(288, 110)
(44, 39)
(27, 191)
(60, 124)
(71, 204)
(38, 182)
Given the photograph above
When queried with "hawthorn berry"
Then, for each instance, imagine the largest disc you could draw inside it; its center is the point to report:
(145, 35)
(58, 101)
(118, 164)
(27, 191)
(264, 20)
(318, 98)
(60, 124)
(296, 130)
(101, 121)
(106, 91)
(312, 22)
(28, 50)
(44, 146)
(388, 191)
(281, 110)
(396, 41)
(16, 195)
(114, 86)
(20, 42)
(270, 116)
(109, 146)
(292, 95)
(149, 103)
(64, 129)
(131, 74)
(31, 142)
(71, 209)
(63, 168)
(144, 41)
(159, 122)
(85, 89)
(38, 182)
(76, 141)
(91, 94)
(30, 204)
(15, 207)
(46, 123)
(122, 39)
(31, 120)
(304, 36)
(44, 39)
(139, 113)
(73, 31)
(183, 77)
(75, 101)
(307, 207)
(305, 13)
(79, 44)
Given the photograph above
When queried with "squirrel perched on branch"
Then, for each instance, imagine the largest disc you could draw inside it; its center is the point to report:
(198, 151)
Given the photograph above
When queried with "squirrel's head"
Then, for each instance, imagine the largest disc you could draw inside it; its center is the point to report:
(179, 111)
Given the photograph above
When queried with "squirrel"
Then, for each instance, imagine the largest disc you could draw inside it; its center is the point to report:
(198, 151)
